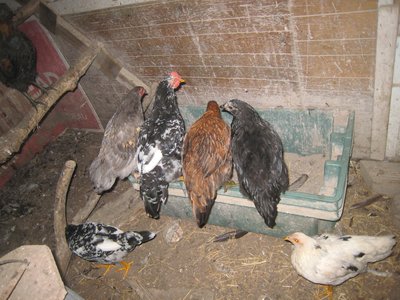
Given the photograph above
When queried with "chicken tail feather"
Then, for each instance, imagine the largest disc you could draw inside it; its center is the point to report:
(152, 209)
(147, 236)
(101, 175)
(267, 207)
(202, 217)
(152, 197)
(201, 209)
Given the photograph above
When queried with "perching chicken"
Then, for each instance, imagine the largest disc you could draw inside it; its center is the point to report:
(258, 159)
(207, 161)
(116, 158)
(17, 55)
(104, 244)
(331, 260)
(160, 146)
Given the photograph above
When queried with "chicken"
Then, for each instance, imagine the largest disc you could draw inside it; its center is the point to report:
(17, 56)
(331, 259)
(116, 158)
(207, 160)
(257, 153)
(160, 146)
(104, 244)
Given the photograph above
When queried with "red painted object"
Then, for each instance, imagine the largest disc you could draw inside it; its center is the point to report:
(72, 111)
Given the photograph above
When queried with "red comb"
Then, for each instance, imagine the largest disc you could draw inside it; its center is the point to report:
(175, 74)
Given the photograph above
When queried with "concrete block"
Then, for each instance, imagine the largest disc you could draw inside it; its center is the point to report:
(382, 177)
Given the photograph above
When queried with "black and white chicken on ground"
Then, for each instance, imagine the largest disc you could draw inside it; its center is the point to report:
(258, 159)
(160, 146)
(116, 158)
(104, 244)
(330, 259)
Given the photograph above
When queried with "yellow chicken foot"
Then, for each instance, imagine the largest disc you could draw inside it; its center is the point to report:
(229, 184)
(326, 293)
(107, 267)
(181, 178)
(126, 267)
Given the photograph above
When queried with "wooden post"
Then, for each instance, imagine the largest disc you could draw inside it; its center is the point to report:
(388, 15)
(393, 139)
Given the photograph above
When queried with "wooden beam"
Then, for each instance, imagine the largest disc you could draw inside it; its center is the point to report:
(105, 61)
(388, 16)
(393, 137)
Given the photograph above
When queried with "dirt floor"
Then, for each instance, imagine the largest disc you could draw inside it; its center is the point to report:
(189, 265)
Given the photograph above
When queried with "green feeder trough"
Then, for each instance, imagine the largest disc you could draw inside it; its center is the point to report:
(304, 133)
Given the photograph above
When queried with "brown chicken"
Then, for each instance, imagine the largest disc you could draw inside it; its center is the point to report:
(207, 160)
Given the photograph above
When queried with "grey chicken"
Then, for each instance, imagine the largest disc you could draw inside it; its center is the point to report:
(116, 158)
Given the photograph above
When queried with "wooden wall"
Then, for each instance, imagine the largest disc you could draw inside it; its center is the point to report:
(290, 53)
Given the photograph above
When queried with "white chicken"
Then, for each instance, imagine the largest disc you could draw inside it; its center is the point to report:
(331, 259)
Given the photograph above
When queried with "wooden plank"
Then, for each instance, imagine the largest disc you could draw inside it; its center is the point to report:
(338, 47)
(166, 12)
(340, 26)
(132, 31)
(47, 18)
(388, 17)
(105, 61)
(393, 140)
(361, 85)
(338, 66)
(382, 177)
(313, 7)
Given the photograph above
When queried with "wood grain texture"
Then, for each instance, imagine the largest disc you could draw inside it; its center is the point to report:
(297, 53)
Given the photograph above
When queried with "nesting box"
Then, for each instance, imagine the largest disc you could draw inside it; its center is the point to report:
(325, 137)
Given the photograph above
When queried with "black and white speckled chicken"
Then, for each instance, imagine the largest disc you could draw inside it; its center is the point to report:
(116, 157)
(17, 56)
(104, 244)
(160, 146)
(257, 153)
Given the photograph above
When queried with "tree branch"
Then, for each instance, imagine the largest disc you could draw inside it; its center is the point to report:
(11, 142)
(63, 253)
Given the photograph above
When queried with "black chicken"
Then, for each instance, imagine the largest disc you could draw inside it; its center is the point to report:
(258, 159)
(17, 56)
(116, 157)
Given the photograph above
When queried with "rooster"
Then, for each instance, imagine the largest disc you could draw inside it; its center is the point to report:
(17, 56)
(105, 244)
(257, 153)
(160, 145)
(116, 158)
(207, 161)
(331, 260)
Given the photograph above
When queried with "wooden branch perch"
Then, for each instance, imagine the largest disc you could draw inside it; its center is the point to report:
(85, 211)
(25, 11)
(11, 142)
(63, 254)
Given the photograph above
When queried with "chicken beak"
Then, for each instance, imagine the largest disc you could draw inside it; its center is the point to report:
(182, 80)
(286, 238)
